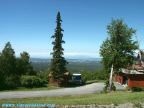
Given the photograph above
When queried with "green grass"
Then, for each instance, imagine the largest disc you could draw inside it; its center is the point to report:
(98, 98)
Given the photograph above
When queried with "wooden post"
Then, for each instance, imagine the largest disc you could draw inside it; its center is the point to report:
(110, 79)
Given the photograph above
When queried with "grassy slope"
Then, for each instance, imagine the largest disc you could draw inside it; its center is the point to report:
(114, 97)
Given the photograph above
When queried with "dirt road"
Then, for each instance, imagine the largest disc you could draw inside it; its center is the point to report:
(91, 88)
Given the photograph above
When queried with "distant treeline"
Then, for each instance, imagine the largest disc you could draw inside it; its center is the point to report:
(74, 65)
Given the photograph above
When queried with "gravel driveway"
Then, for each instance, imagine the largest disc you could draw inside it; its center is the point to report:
(90, 88)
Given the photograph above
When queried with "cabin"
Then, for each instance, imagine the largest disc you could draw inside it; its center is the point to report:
(132, 76)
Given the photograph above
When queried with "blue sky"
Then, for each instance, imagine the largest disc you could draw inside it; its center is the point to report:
(29, 24)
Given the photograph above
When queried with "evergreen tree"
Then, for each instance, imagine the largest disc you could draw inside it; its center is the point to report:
(58, 62)
(118, 49)
(2, 78)
(8, 60)
(8, 67)
(24, 66)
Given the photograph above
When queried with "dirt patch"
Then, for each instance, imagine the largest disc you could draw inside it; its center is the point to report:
(126, 105)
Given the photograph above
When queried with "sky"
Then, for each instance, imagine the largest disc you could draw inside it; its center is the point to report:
(29, 24)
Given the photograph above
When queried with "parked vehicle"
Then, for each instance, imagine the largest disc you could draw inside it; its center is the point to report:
(76, 79)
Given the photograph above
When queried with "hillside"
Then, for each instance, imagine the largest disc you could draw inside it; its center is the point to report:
(74, 65)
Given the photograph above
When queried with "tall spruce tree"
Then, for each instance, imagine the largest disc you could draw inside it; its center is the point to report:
(58, 62)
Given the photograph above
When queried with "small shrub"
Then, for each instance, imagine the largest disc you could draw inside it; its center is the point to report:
(136, 89)
(107, 87)
(11, 82)
(43, 75)
(32, 81)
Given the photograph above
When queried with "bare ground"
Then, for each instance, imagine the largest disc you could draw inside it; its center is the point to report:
(90, 88)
